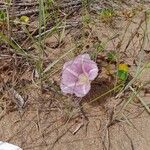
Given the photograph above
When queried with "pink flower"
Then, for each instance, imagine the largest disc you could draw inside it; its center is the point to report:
(77, 75)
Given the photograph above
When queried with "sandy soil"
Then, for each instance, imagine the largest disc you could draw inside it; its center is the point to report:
(42, 123)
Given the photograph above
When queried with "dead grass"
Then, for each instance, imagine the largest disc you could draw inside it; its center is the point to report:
(35, 114)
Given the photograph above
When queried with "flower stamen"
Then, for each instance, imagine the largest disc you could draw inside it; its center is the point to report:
(83, 79)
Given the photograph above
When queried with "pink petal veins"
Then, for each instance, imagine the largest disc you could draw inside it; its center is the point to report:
(82, 90)
(67, 88)
(93, 73)
(90, 68)
(77, 75)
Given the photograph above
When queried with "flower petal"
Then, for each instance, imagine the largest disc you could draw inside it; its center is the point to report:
(82, 90)
(68, 81)
(93, 73)
(68, 78)
(83, 57)
(90, 68)
(74, 67)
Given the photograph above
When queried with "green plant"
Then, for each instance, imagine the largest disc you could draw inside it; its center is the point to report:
(111, 56)
(107, 14)
(2, 15)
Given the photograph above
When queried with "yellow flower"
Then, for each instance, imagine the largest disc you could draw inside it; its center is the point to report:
(123, 67)
(24, 19)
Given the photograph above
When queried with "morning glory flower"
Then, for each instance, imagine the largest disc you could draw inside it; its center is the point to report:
(77, 75)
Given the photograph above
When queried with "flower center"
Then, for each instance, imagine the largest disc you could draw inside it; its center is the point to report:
(83, 79)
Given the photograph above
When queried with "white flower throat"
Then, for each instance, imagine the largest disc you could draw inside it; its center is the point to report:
(83, 79)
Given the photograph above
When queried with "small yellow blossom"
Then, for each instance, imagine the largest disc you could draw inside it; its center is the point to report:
(123, 67)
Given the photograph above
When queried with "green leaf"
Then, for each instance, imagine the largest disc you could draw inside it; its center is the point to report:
(99, 46)
(122, 75)
(106, 15)
(111, 56)
(24, 19)
(2, 15)
(106, 12)
(86, 19)
(123, 71)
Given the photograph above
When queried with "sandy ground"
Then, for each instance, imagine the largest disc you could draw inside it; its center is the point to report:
(42, 123)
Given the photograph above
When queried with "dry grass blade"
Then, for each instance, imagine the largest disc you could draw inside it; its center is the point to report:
(18, 99)
(78, 128)
(56, 61)
(133, 80)
(141, 100)
(34, 113)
